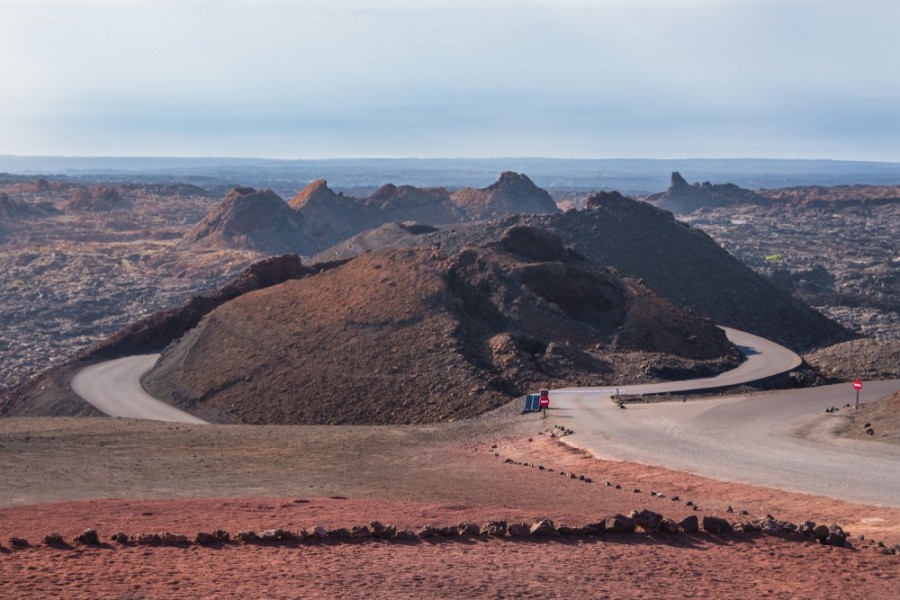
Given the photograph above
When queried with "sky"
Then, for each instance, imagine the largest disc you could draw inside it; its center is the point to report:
(460, 78)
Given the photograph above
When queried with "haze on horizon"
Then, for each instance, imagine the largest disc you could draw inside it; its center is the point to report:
(442, 78)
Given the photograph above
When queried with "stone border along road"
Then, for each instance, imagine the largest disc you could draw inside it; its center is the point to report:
(771, 439)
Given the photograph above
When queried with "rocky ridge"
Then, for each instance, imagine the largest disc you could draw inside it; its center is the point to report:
(682, 197)
(322, 217)
(676, 261)
(512, 193)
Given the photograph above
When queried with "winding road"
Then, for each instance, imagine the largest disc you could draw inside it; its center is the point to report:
(114, 388)
(779, 439)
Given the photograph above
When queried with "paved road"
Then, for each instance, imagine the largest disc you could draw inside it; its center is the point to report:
(114, 388)
(778, 439)
(764, 439)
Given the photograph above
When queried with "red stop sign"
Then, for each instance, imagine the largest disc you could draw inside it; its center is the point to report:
(857, 384)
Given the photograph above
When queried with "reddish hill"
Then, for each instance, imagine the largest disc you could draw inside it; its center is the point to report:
(251, 220)
(676, 261)
(401, 336)
(512, 193)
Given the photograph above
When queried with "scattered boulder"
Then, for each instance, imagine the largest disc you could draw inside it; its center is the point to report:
(543, 528)
(204, 539)
(689, 524)
(469, 529)
(712, 524)
(339, 533)
(121, 538)
(597, 528)
(222, 536)
(448, 531)
(277, 535)
(570, 531)
(147, 539)
(494, 527)
(17, 542)
(167, 538)
(53, 539)
(88, 537)
(406, 535)
(247, 537)
(647, 520)
(620, 524)
(318, 532)
(519, 530)
(820, 532)
(429, 531)
(383, 532)
(669, 526)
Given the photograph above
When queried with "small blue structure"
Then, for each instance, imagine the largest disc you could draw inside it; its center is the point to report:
(532, 403)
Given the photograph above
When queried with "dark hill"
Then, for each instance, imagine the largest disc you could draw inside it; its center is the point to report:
(413, 336)
(323, 217)
(13, 210)
(682, 197)
(250, 220)
(407, 203)
(676, 261)
(512, 193)
(99, 198)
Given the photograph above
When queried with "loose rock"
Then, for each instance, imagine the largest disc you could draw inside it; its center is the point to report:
(619, 524)
(647, 520)
(88, 537)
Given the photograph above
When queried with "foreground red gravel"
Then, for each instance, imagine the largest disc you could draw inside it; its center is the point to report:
(612, 566)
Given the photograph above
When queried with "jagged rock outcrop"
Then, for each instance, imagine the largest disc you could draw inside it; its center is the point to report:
(682, 197)
(512, 193)
(248, 219)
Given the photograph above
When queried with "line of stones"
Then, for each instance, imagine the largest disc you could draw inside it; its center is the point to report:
(645, 521)
(831, 535)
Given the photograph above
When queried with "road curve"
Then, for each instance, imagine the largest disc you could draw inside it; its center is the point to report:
(773, 439)
(779, 439)
(114, 388)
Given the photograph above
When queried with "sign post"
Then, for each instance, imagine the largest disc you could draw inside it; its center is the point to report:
(857, 385)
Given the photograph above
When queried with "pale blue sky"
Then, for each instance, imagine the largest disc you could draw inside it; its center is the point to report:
(553, 78)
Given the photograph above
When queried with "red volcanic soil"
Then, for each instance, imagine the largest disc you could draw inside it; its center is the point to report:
(612, 566)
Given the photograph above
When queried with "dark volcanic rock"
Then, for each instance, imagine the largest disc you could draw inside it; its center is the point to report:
(682, 197)
(12, 210)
